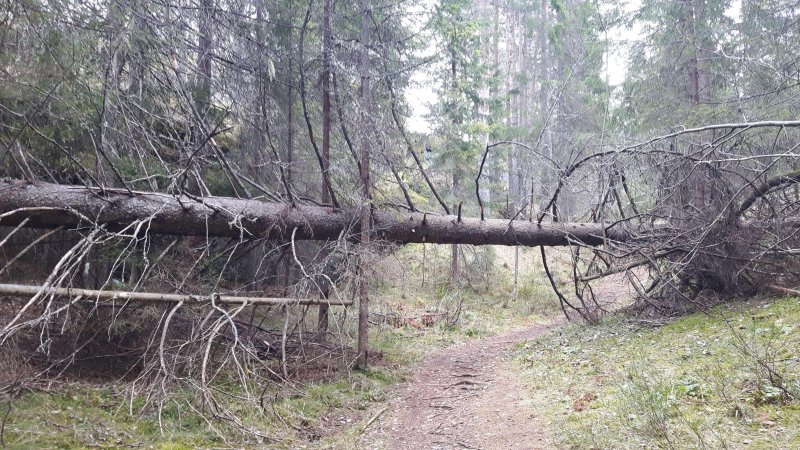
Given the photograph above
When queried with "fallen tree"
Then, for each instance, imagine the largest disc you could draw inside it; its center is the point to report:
(47, 205)
(91, 295)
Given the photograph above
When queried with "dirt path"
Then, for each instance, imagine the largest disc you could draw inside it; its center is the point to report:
(467, 396)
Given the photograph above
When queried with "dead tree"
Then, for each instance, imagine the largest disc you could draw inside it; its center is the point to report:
(47, 205)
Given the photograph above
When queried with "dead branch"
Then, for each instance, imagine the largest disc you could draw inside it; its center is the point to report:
(91, 295)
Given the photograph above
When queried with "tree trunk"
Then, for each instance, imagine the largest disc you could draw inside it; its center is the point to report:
(694, 28)
(366, 197)
(511, 82)
(287, 262)
(326, 100)
(455, 270)
(93, 295)
(455, 273)
(48, 205)
(203, 94)
(322, 319)
(546, 176)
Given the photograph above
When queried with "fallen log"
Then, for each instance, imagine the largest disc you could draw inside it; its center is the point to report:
(780, 290)
(20, 290)
(47, 205)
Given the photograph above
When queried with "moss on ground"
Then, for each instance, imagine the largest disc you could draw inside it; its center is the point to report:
(728, 378)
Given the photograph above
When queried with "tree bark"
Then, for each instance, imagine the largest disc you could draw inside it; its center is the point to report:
(366, 197)
(48, 205)
(203, 94)
(455, 270)
(327, 39)
(455, 273)
(326, 101)
(92, 295)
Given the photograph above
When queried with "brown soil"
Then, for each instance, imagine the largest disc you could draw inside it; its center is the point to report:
(467, 396)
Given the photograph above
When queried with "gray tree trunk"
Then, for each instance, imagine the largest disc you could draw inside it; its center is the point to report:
(50, 205)
(366, 197)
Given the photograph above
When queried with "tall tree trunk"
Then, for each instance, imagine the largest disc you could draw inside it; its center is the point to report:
(528, 67)
(287, 269)
(290, 133)
(108, 117)
(455, 268)
(544, 108)
(366, 201)
(327, 38)
(694, 29)
(326, 100)
(516, 185)
(455, 273)
(702, 52)
(693, 75)
(203, 93)
(697, 91)
(510, 80)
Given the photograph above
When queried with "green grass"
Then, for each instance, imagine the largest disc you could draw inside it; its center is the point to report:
(83, 415)
(726, 379)
(80, 416)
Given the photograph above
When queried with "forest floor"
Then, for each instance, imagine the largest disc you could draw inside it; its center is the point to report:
(502, 373)
(465, 396)
(727, 377)
(472, 395)
(334, 411)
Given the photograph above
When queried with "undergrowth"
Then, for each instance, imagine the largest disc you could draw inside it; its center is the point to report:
(727, 378)
(81, 415)
(308, 412)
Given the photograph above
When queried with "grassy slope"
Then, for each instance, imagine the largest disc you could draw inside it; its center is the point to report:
(700, 381)
(328, 413)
